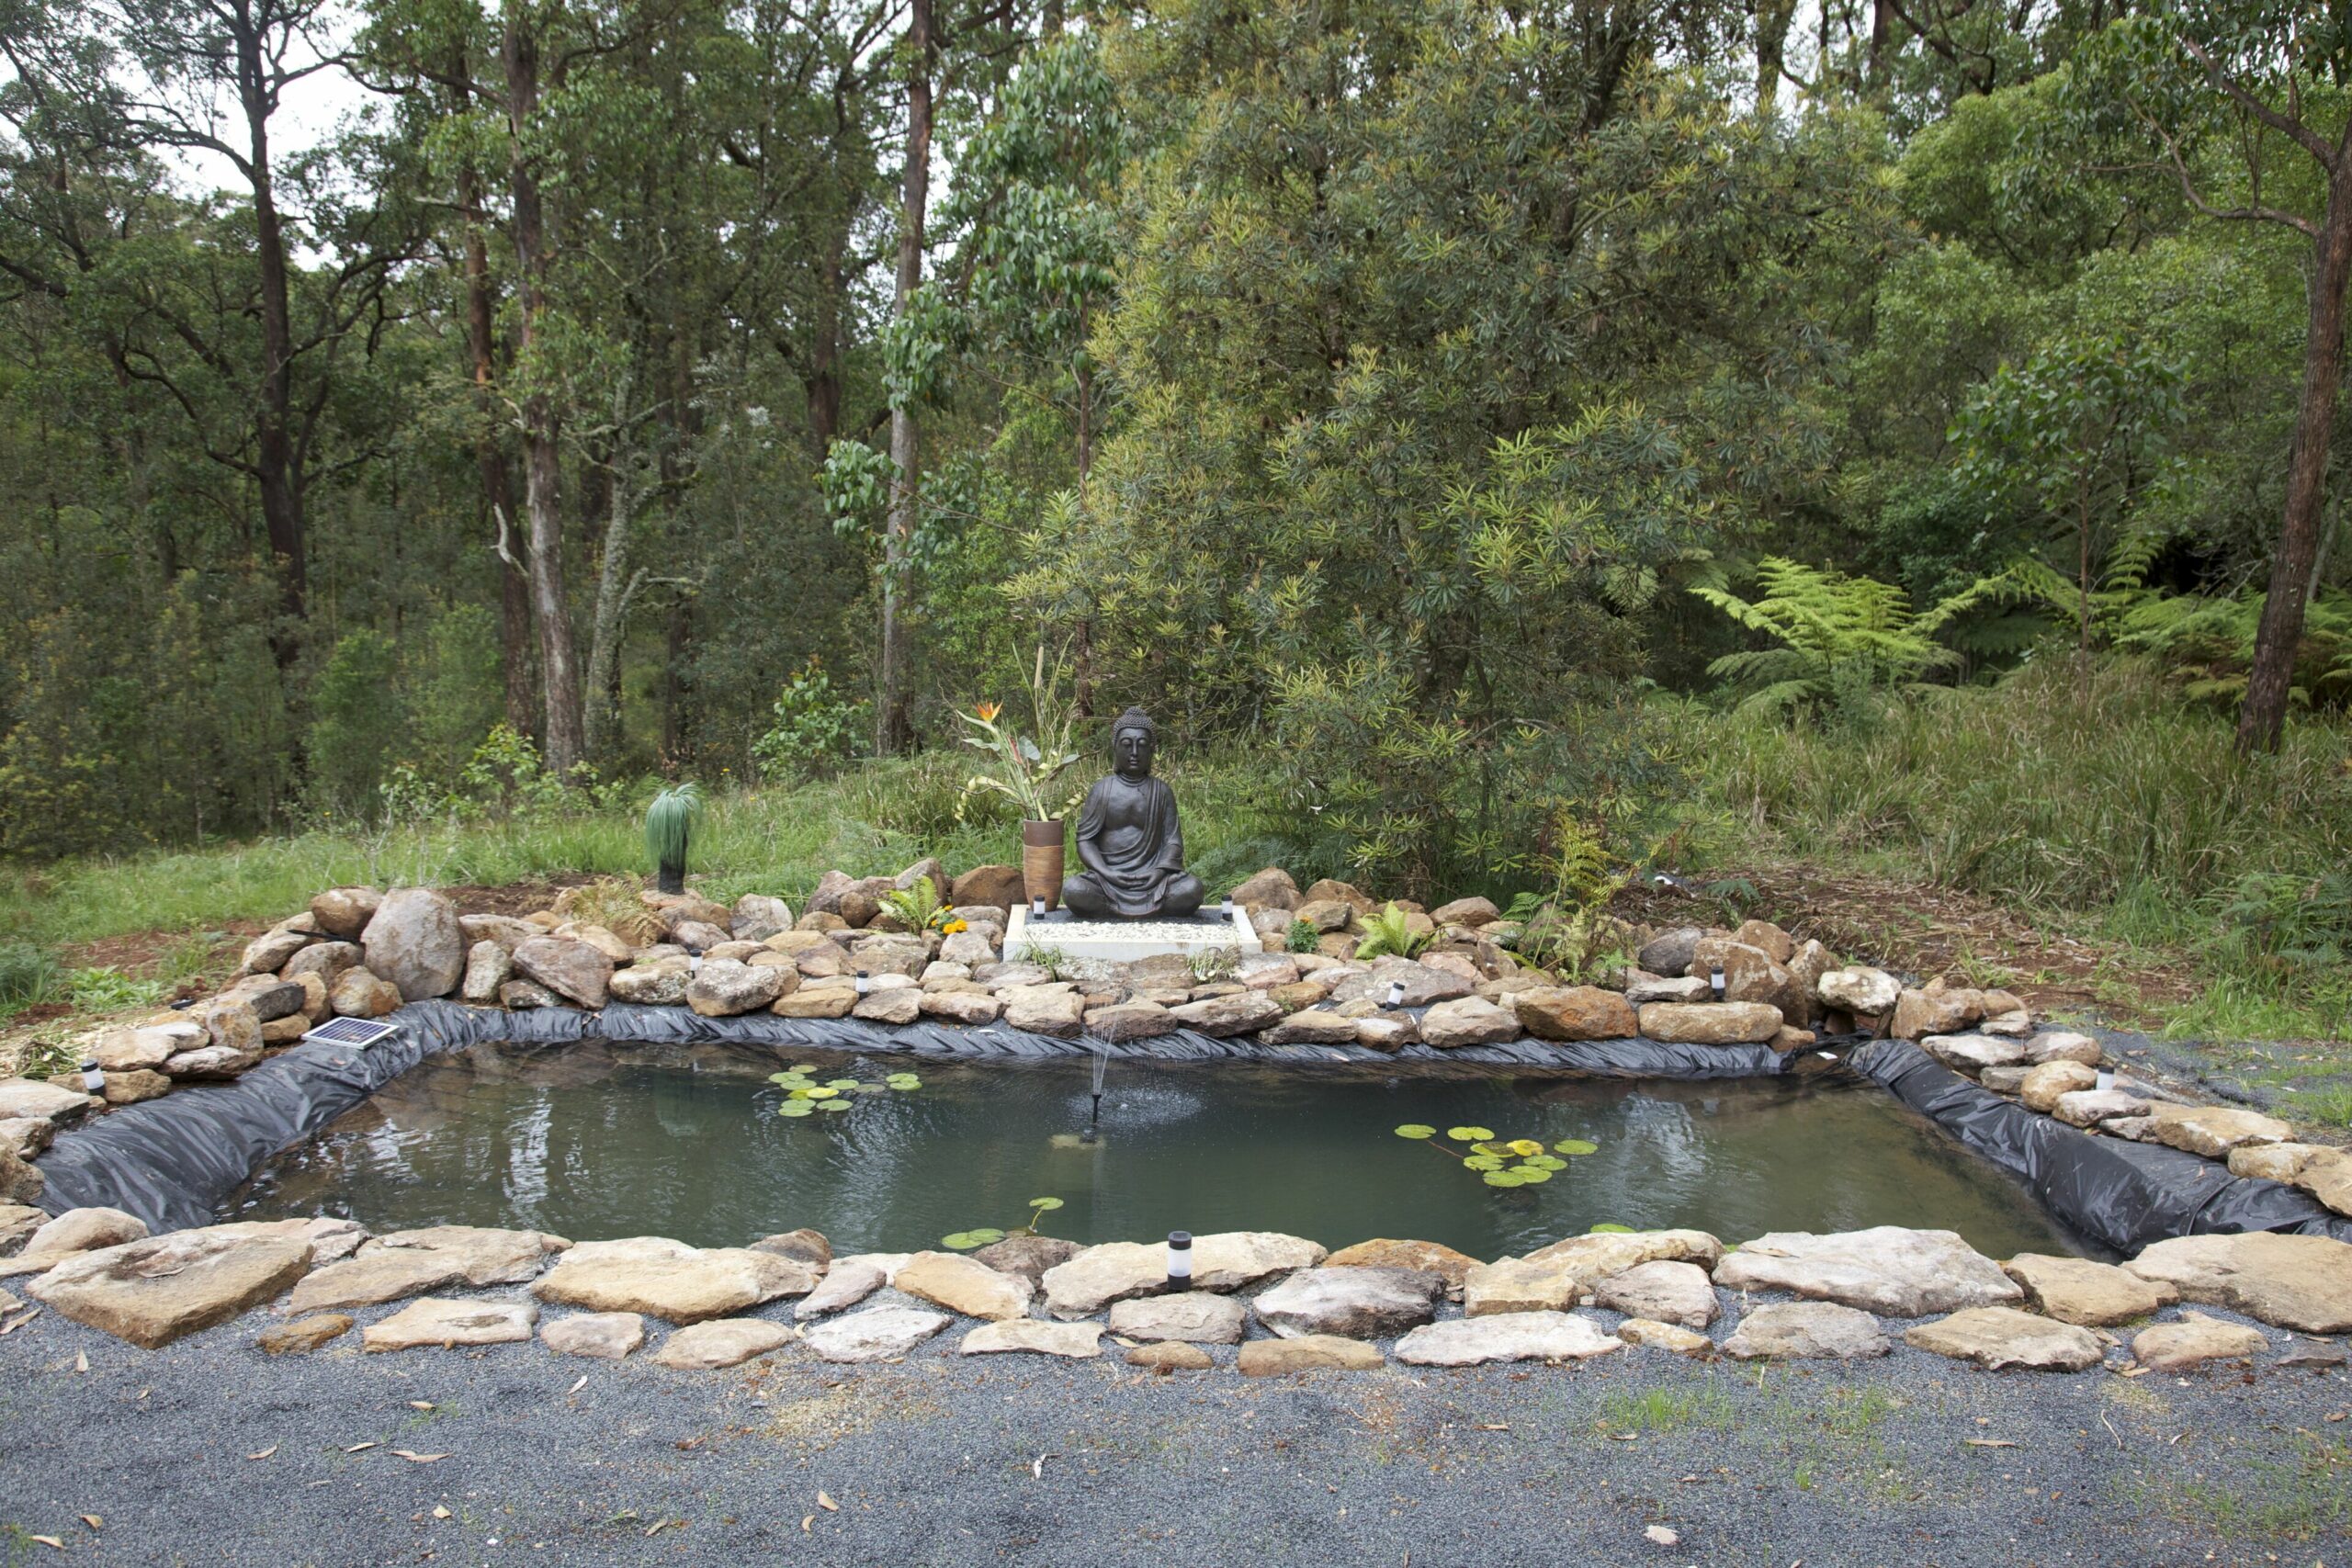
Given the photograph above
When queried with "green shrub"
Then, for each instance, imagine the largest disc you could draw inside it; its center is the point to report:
(1305, 936)
(27, 975)
(816, 729)
(357, 723)
(1388, 934)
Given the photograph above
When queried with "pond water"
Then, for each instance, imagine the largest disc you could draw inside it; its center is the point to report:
(596, 1141)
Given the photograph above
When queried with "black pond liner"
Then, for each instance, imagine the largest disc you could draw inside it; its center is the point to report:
(2121, 1194)
(172, 1161)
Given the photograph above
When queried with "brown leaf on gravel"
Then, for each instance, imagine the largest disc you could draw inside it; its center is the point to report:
(415, 1458)
(359, 1447)
(264, 1453)
(93, 1521)
(828, 1504)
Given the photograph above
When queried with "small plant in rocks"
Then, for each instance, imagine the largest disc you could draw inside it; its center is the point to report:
(1390, 934)
(1517, 1162)
(984, 1235)
(919, 908)
(1304, 936)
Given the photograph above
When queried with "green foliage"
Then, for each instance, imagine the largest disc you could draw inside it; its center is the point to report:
(966, 1240)
(815, 730)
(356, 722)
(27, 975)
(1026, 766)
(107, 989)
(1304, 936)
(916, 908)
(1515, 1162)
(1841, 638)
(2208, 641)
(1388, 935)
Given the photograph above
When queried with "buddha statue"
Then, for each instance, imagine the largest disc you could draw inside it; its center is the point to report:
(1128, 839)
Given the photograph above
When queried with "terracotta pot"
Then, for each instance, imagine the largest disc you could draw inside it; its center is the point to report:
(1041, 861)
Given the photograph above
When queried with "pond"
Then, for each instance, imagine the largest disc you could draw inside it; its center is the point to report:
(594, 1141)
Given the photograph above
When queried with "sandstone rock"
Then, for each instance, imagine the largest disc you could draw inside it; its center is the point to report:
(671, 1281)
(1270, 888)
(329, 1238)
(488, 966)
(2274, 1162)
(413, 941)
(25, 1136)
(1996, 1337)
(285, 1030)
(2090, 1106)
(327, 960)
(1045, 1010)
(213, 1062)
(964, 1285)
(2193, 1341)
(1665, 1290)
(1347, 893)
(1115, 1271)
(694, 936)
(2060, 1045)
(1938, 1009)
(505, 930)
(877, 1334)
(2075, 1289)
(759, 917)
(1656, 1335)
(897, 1004)
(1669, 952)
(723, 987)
(84, 1230)
(817, 1001)
(436, 1321)
(1130, 1020)
(407, 1263)
(2042, 1085)
(269, 996)
(1354, 1303)
(1471, 912)
(1974, 1053)
(1806, 1330)
(1886, 1269)
(1750, 975)
(1556, 1278)
(1468, 1020)
(808, 1244)
(2213, 1130)
(1027, 1257)
(267, 953)
(968, 947)
(1274, 1357)
(304, 1335)
(849, 1282)
(603, 1335)
(1198, 1317)
(1710, 1023)
(1576, 1012)
(345, 911)
(1428, 1257)
(1170, 1356)
(356, 993)
(1077, 1341)
(1769, 939)
(154, 1291)
(1508, 1336)
(569, 967)
(129, 1088)
(996, 886)
(1316, 1026)
(966, 1008)
(721, 1342)
(519, 995)
(1224, 1015)
(1866, 993)
(1385, 1032)
(126, 1050)
(31, 1097)
(315, 996)
(662, 984)
(2302, 1282)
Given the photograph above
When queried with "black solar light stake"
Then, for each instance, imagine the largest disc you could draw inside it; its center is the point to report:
(1180, 1260)
(1037, 907)
(863, 983)
(1396, 995)
(1715, 981)
(92, 1078)
(1226, 907)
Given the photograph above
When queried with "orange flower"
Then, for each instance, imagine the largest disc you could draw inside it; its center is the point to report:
(988, 711)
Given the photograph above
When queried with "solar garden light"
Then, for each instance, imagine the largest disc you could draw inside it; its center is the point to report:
(1396, 997)
(1225, 907)
(1180, 1259)
(1037, 907)
(864, 985)
(2107, 1077)
(92, 1078)
(1715, 981)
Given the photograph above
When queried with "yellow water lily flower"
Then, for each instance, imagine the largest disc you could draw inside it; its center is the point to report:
(1525, 1147)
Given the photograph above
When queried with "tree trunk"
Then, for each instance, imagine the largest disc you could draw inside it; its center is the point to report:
(893, 726)
(274, 462)
(1772, 19)
(490, 462)
(542, 457)
(615, 588)
(2280, 635)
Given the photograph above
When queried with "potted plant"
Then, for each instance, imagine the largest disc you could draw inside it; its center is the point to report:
(1023, 768)
(669, 824)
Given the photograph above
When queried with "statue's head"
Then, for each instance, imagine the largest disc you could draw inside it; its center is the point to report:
(1133, 736)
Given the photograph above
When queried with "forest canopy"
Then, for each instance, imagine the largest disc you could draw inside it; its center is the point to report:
(635, 387)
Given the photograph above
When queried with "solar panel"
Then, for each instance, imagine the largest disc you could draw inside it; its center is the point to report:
(356, 1033)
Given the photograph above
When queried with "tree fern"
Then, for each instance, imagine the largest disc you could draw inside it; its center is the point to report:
(1835, 631)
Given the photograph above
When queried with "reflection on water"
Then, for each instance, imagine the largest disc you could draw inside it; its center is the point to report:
(597, 1141)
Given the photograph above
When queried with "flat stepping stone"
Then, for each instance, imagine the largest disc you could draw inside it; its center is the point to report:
(1653, 1335)
(1035, 1336)
(721, 1342)
(1995, 1338)
(1315, 1352)
(2195, 1341)
(1430, 1257)
(964, 1285)
(669, 1279)
(1354, 1303)
(1118, 1270)
(304, 1336)
(155, 1290)
(438, 1321)
(2075, 1289)
(1666, 1290)
(1506, 1337)
(1195, 1317)
(849, 1282)
(877, 1334)
(603, 1335)
(1886, 1269)
(1172, 1356)
(1787, 1331)
(2302, 1282)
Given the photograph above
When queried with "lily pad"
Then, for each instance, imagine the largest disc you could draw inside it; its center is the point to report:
(871, 1088)
(964, 1241)
(1504, 1179)
(1483, 1162)
(785, 1078)
(1575, 1146)
(1044, 1205)
(795, 1107)
(1416, 1130)
(840, 1083)
(826, 1093)
(1610, 1230)
(1497, 1150)
(1533, 1175)
(1470, 1134)
(1547, 1162)
(832, 1105)
(902, 1081)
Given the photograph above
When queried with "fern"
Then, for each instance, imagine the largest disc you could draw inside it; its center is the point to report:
(1390, 934)
(1834, 631)
(915, 907)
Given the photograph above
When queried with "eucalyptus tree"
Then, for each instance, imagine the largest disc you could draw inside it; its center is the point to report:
(2247, 106)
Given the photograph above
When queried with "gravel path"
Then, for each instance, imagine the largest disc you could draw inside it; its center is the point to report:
(211, 1452)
